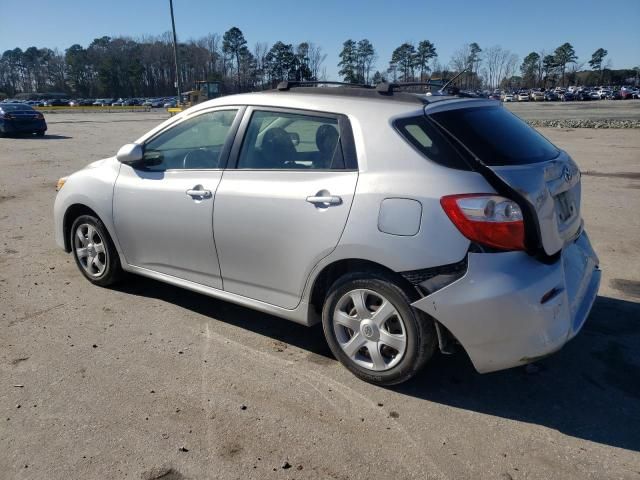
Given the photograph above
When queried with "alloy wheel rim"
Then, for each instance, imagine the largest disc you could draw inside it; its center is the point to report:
(90, 250)
(369, 330)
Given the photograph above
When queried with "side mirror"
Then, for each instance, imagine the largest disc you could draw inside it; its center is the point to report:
(130, 153)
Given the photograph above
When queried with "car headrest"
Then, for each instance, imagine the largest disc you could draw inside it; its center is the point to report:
(277, 146)
(326, 138)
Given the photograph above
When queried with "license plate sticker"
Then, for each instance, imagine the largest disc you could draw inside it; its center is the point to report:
(565, 206)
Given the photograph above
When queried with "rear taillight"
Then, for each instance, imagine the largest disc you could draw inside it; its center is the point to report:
(40, 116)
(487, 219)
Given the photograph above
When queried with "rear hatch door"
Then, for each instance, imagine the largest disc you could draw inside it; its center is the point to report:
(545, 177)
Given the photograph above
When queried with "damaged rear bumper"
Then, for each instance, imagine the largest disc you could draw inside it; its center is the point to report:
(509, 309)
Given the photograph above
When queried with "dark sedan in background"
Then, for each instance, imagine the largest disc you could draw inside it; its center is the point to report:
(551, 96)
(21, 118)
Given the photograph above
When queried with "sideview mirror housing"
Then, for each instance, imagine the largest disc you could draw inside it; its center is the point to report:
(130, 153)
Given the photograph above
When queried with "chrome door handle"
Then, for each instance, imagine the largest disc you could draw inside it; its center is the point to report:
(199, 193)
(325, 200)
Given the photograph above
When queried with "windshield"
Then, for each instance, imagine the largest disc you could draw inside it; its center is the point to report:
(496, 136)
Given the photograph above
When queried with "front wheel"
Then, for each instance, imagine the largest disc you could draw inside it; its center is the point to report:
(372, 329)
(94, 252)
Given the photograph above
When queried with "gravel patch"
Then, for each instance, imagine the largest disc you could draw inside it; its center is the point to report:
(575, 123)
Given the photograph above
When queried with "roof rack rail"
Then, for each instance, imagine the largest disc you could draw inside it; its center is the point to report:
(287, 84)
(388, 88)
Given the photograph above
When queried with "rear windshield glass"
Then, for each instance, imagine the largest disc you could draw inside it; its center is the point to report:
(496, 136)
(11, 107)
(424, 136)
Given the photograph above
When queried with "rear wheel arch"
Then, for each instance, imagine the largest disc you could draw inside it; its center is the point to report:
(335, 270)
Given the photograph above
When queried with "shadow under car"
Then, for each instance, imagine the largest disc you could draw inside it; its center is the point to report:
(590, 389)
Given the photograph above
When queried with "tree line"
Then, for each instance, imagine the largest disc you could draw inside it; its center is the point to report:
(123, 67)
(144, 67)
(540, 69)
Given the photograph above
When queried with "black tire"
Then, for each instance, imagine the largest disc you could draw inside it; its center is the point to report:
(112, 269)
(421, 338)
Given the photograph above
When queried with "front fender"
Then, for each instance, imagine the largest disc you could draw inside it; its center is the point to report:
(92, 188)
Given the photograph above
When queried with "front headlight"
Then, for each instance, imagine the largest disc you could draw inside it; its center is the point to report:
(60, 183)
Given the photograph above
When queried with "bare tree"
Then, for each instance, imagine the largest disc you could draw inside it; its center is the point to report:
(511, 66)
(542, 53)
(316, 59)
(467, 58)
(211, 43)
(260, 50)
(367, 57)
(499, 64)
(460, 58)
(572, 71)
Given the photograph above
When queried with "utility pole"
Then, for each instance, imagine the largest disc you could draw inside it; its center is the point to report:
(175, 52)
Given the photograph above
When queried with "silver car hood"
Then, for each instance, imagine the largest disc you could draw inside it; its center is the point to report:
(99, 163)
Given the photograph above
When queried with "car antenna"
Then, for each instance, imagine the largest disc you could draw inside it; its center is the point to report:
(453, 79)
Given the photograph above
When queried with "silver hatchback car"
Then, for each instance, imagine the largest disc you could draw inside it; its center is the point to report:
(404, 223)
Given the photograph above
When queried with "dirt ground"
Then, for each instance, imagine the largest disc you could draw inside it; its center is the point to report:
(150, 381)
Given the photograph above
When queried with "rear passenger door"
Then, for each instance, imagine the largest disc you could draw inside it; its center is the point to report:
(283, 202)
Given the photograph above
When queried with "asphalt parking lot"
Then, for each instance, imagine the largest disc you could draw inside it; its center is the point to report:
(149, 381)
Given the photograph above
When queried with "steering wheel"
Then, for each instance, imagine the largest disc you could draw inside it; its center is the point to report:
(199, 158)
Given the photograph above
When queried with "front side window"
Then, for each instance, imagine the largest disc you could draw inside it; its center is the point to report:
(195, 143)
(289, 141)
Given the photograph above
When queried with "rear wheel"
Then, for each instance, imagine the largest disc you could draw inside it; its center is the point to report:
(372, 329)
(94, 252)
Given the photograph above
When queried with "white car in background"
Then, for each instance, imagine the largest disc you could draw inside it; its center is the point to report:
(507, 97)
(536, 96)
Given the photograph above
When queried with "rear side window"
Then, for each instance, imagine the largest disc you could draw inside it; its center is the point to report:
(287, 141)
(427, 139)
(496, 136)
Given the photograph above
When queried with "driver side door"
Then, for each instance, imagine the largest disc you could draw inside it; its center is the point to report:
(163, 206)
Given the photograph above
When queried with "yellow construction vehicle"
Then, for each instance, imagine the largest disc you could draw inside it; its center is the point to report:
(204, 90)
